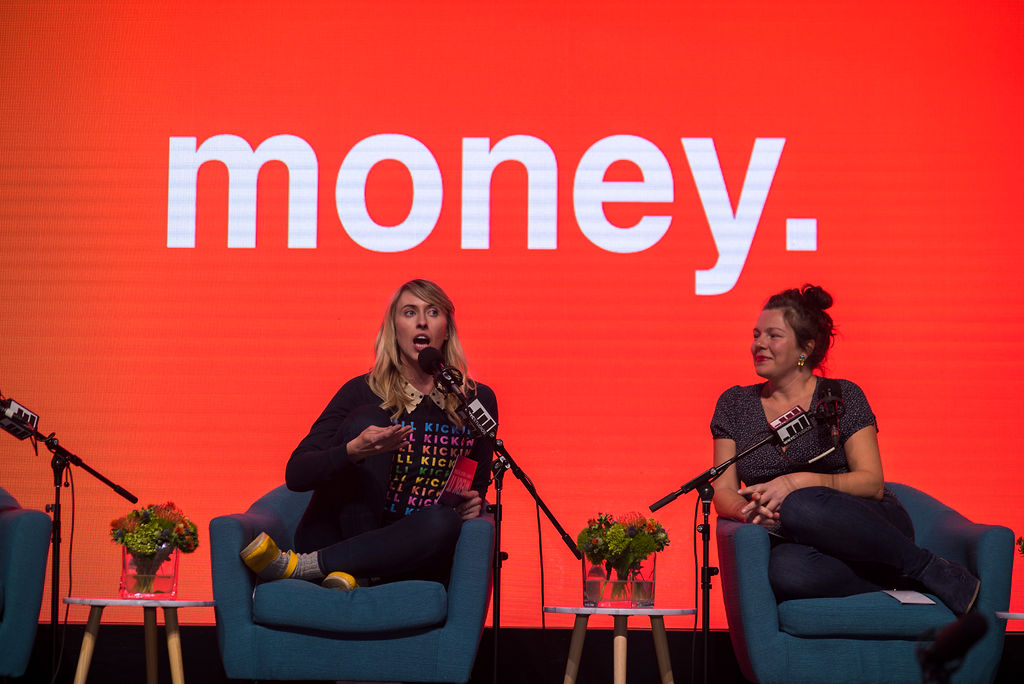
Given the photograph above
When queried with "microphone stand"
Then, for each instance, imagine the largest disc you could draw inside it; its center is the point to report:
(502, 463)
(62, 460)
(449, 380)
(702, 483)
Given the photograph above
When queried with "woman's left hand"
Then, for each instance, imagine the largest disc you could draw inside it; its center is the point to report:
(768, 495)
(471, 506)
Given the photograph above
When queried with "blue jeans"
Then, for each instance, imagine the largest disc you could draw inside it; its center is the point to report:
(835, 544)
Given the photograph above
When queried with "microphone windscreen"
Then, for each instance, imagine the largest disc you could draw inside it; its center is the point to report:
(831, 388)
(431, 360)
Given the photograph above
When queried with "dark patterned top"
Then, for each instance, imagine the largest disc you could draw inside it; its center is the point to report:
(739, 416)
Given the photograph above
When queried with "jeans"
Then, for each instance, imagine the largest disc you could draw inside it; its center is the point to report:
(417, 546)
(835, 544)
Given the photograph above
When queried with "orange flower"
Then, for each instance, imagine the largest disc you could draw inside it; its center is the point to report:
(632, 519)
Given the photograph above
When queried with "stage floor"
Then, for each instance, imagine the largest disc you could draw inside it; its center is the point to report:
(528, 656)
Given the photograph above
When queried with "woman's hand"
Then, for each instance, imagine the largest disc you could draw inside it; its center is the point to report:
(471, 506)
(765, 499)
(377, 440)
(757, 514)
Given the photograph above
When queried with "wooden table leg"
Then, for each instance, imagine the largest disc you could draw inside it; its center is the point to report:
(174, 645)
(579, 632)
(149, 617)
(661, 649)
(619, 649)
(92, 629)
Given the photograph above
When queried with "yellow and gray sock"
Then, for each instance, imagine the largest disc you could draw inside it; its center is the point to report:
(264, 558)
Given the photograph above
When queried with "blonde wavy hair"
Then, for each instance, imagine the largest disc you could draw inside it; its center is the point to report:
(386, 378)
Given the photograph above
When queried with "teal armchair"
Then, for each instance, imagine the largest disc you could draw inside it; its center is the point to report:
(866, 637)
(411, 631)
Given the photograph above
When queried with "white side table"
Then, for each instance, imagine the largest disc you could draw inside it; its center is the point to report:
(149, 607)
(620, 615)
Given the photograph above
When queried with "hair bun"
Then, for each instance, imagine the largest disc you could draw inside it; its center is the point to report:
(805, 312)
(817, 297)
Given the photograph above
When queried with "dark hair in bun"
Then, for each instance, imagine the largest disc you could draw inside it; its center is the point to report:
(804, 310)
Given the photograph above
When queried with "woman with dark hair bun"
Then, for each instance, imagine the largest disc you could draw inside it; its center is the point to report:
(835, 529)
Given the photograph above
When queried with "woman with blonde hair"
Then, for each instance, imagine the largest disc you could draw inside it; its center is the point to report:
(378, 457)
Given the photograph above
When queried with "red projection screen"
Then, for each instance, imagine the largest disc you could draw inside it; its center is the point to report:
(206, 206)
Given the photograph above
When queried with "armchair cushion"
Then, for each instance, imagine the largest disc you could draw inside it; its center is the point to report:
(874, 615)
(301, 604)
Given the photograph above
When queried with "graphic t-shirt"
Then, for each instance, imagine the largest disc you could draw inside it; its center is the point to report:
(423, 464)
(349, 498)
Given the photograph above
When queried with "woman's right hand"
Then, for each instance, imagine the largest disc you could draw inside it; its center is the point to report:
(376, 440)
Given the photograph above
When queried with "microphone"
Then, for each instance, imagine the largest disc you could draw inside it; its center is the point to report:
(950, 646)
(431, 360)
(790, 425)
(831, 407)
(449, 381)
(17, 419)
(784, 429)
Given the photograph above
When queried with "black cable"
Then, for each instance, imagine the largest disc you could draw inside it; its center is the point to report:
(696, 594)
(540, 551)
(69, 478)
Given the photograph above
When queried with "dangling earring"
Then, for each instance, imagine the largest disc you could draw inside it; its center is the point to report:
(800, 361)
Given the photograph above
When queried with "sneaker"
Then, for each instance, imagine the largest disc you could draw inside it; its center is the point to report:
(264, 558)
(341, 581)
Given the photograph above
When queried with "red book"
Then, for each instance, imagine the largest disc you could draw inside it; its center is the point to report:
(460, 480)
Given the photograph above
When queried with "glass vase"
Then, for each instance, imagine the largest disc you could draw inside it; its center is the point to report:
(149, 578)
(604, 587)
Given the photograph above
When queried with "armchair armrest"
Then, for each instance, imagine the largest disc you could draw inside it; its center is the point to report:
(469, 587)
(749, 600)
(25, 535)
(748, 588)
(233, 583)
(986, 550)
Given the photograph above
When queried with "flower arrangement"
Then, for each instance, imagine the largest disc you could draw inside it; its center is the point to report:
(621, 543)
(149, 537)
(155, 531)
